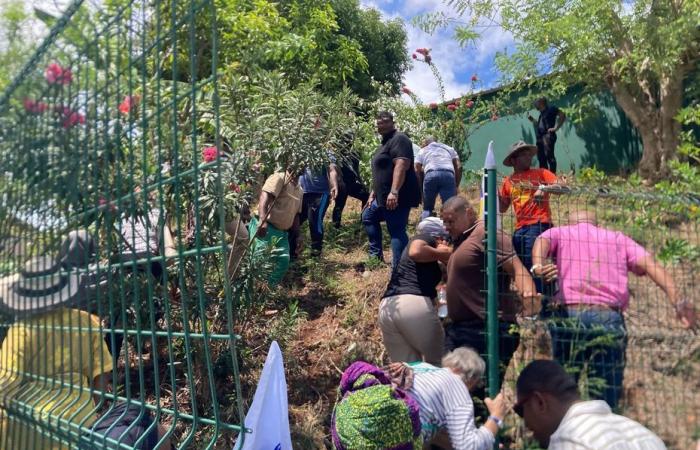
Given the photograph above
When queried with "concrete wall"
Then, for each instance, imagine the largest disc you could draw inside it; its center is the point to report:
(606, 140)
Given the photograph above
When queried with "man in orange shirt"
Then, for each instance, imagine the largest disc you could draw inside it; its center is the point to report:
(524, 189)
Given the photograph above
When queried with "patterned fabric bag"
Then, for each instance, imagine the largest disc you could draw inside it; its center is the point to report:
(373, 414)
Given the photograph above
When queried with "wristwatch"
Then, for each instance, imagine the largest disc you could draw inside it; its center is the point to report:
(394, 192)
(497, 420)
(533, 268)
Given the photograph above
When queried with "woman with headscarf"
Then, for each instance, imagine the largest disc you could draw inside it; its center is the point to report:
(408, 318)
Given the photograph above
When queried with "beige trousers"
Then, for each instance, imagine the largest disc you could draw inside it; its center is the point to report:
(411, 329)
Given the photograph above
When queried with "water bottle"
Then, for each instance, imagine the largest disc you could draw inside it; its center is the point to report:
(442, 302)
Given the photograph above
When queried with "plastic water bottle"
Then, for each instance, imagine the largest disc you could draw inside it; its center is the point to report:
(442, 302)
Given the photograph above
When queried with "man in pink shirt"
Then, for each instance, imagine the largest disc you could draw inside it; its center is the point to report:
(587, 323)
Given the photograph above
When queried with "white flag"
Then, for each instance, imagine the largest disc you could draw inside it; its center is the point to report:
(268, 416)
(489, 163)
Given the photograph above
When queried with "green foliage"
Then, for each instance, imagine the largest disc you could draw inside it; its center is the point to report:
(677, 250)
(17, 46)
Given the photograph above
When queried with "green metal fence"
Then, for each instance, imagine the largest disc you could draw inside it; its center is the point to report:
(112, 128)
(656, 359)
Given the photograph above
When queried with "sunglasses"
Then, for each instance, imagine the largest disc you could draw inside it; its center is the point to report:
(520, 405)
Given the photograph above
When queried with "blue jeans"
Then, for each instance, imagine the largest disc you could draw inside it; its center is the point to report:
(437, 182)
(523, 240)
(396, 222)
(595, 339)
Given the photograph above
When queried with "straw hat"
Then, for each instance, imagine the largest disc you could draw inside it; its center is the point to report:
(47, 282)
(516, 148)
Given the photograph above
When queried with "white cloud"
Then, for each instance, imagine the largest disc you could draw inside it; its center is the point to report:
(455, 64)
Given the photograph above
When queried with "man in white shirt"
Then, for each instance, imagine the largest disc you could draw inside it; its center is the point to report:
(439, 172)
(549, 401)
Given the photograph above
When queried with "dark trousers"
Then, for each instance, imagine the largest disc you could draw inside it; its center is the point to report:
(545, 152)
(313, 209)
(524, 239)
(351, 187)
(594, 341)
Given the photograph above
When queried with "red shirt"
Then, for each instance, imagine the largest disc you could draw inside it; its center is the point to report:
(520, 188)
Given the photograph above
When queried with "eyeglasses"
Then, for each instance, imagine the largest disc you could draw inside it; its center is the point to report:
(520, 405)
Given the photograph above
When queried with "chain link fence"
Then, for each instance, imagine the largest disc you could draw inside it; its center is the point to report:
(633, 352)
(118, 311)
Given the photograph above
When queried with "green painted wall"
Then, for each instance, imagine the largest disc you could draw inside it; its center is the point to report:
(607, 140)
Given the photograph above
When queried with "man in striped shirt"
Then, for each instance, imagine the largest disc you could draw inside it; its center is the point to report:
(549, 401)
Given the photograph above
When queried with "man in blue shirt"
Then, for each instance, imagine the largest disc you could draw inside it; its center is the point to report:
(320, 187)
(546, 128)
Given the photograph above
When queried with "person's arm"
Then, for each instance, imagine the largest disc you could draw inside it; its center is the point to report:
(264, 206)
(334, 177)
(504, 199)
(422, 252)
(419, 173)
(649, 266)
(168, 245)
(457, 165)
(401, 165)
(561, 118)
(524, 286)
(459, 417)
(540, 252)
(101, 384)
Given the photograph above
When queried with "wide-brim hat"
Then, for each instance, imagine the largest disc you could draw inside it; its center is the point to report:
(520, 146)
(41, 285)
(47, 282)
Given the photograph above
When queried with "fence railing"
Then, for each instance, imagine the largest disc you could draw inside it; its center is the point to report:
(634, 351)
(114, 253)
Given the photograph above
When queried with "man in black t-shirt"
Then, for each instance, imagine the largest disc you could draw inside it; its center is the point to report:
(351, 185)
(394, 189)
(546, 128)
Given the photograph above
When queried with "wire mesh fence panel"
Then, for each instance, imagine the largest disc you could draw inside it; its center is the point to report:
(118, 313)
(616, 265)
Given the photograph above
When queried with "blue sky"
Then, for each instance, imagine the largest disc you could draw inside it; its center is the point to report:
(457, 65)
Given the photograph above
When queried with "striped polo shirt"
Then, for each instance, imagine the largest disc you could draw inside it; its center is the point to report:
(592, 425)
(445, 403)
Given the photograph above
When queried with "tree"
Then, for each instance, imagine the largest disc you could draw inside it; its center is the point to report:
(382, 43)
(14, 23)
(643, 52)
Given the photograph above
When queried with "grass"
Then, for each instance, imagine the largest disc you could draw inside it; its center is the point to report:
(324, 315)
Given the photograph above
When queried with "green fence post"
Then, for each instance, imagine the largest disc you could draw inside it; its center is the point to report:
(491, 217)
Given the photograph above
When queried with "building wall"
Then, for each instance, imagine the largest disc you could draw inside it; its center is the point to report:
(605, 140)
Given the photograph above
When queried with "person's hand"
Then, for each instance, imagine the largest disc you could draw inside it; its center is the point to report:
(538, 196)
(371, 198)
(497, 406)
(392, 201)
(685, 311)
(334, 193)
(443, 248)
(262, 230)
(552, 130)
(532, 304)
(547, 272)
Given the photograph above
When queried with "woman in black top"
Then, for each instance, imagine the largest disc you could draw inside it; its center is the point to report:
(408, 318)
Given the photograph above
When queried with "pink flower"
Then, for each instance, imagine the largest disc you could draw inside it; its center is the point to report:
(129, 103)
(423, 51)
(210, 154)
(406, 90)
(234, 187)
(257, 167)
(104, 202)
(414, 56)
(55, 74)
(69, 118)
(34, 107)
(452, 107)
(494, 117)
(475, 78)
(433, 106)
(470, 103)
